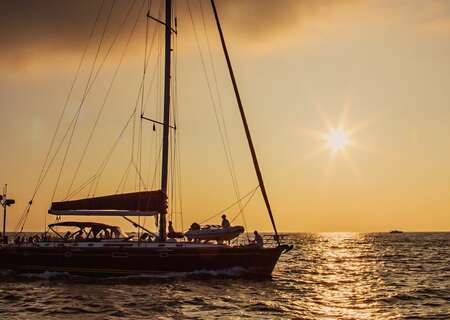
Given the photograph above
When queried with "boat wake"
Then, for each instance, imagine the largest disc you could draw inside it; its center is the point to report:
(234, 272)
(225, 273)
(47, 275)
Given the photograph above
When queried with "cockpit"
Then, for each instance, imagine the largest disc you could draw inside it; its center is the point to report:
(86, 231)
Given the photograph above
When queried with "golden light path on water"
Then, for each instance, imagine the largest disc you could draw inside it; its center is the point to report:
(361, 276)
(338, 278)
(342, 268)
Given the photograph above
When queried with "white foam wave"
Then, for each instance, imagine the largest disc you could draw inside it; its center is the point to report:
(230, 272)
(46, 275)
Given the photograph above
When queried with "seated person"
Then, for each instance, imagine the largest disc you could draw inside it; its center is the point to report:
(259, 242)
(225, 222)
(195, 226)
(67, 235)
(170, 227)
(144, 236)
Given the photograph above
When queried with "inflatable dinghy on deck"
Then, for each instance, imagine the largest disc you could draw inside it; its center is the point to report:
(214, 232)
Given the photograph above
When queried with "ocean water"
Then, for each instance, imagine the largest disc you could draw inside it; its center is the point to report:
(326, 276)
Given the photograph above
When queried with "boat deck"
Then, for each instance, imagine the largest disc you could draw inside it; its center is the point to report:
(111, 244)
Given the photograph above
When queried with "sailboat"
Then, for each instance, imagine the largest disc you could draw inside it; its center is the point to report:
(102, 249)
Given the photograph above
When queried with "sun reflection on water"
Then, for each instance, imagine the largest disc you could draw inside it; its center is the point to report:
(345, 278)
(339, 276)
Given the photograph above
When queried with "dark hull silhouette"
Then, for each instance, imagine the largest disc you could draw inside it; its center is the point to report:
(107, 261)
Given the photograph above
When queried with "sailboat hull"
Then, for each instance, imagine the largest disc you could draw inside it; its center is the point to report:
(249, 261)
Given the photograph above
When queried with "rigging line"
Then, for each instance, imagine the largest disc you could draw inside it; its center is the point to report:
(220, 107)
(139, 174)
(150, 87)
(89, 85)
(81, 187)
(72, 130)
(83, 98)
(178, 172)
(147, 93)
(142, 101)
(173, 154)
(57, 150)
(126, 175)
(152, 80)
(170, 168)
(102, 166)
(107, 92)
(66, 102)
(133, 135)
(172, 173)
(151, 84)
(140, 92)
(123, 179)
(176, 133)
(157, 147)
(241, 212)
(227, 145)
(108, 51)
(154, 74)
(245, 205)
(27, 210)
(132, 117)
(45, 168)
(141, 88)
(230, 206)
(180, 196)
(244, 122)
(177, 179)
(158, 157)
(218, 122)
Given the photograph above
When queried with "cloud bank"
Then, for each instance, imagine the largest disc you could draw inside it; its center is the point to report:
(36, 29)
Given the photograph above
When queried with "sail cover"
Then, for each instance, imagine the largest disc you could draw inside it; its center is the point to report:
(145, 203)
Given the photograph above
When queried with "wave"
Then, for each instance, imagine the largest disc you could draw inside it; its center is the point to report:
(234, 272)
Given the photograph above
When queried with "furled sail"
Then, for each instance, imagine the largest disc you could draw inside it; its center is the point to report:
(145, 203)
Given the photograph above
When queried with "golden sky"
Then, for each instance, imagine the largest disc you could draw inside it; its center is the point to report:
(379, 70)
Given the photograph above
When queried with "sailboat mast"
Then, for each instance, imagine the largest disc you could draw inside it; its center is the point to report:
(244, 121)
(166, 121)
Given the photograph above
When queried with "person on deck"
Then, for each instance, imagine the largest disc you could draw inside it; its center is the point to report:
(259, 242)
(170, 228)
(67, 235)
(225, 222)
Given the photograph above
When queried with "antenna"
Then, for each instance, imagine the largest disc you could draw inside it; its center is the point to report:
(5, 202)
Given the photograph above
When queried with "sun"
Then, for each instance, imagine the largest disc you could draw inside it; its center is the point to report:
(337, 140)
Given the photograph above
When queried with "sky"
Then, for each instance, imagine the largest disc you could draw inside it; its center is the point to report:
(378, 71)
